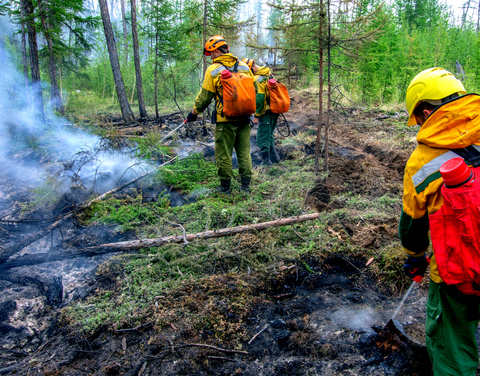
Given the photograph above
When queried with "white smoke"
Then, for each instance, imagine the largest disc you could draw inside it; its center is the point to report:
(28, 144)
(355, 319)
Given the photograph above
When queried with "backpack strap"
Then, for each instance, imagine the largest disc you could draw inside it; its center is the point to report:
(233, 69)
(471, 155)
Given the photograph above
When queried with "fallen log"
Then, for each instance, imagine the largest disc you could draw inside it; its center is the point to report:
(41, 258)
(11, 249)
(147, 243)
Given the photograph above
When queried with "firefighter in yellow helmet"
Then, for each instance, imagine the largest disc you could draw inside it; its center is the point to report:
(230, 132)
(449, 123)
(266, 119)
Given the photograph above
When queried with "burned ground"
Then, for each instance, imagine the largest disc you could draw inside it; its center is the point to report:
(317, 313)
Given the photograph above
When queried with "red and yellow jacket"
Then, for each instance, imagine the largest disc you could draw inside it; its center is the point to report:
(212, 85)
(454, 125)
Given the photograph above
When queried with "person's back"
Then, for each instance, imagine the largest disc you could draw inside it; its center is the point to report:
(448, 121)
(267, 121)
(230, 132)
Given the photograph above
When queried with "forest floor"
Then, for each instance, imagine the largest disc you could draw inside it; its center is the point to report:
(308, 299)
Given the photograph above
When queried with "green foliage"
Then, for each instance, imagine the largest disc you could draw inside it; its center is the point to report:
(189, 174)
(149, 147)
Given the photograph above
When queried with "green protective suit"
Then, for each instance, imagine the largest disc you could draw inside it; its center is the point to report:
(452, 320)
(266, 126)
(230, 135)
(267, 121)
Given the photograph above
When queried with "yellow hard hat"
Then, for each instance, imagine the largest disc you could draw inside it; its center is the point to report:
(213, 43)
(431, 84)
(249, 62)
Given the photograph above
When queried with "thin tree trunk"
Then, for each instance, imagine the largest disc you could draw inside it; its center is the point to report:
(136, 59)
(320, 87)
(55, 99)
(125, 34)
(329, 92)
(289, 68)
(24, 51)
(465, 13)
(34, 63)
(127, 113)
(478, 17)
(204, 42)
(133, 88)
(147, 243)
(155, 74)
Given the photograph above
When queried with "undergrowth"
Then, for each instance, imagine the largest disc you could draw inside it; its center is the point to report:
(276, 192)
(360, 226)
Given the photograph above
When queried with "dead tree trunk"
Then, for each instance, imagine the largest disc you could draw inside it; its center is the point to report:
(320, 86)
(147, 243)
(127, 113)
(136, 59)
(34, 63)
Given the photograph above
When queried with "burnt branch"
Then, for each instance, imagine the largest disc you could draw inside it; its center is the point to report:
(17, 246)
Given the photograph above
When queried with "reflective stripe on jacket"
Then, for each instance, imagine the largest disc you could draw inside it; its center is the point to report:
(212, 86)
(262, 99)
(454, 125)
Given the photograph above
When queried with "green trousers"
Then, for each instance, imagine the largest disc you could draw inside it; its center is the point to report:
(452, 320)
(266, 126)
(230, 135)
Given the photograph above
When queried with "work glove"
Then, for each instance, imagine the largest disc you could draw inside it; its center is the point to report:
(191, 117)
(415, 267)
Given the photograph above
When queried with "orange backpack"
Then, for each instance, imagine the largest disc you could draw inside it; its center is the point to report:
(238, 93)
(279, 98)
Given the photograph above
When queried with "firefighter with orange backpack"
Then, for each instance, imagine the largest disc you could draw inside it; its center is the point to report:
(449, 123)
(264, 114)
(230, 83)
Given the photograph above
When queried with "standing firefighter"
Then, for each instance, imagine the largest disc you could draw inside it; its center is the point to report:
(231, 84)
(450, 122)
(266, 119)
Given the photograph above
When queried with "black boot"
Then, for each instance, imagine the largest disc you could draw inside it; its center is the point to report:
(245, 187)
(266, 159)
(273, 155)
(224, 187)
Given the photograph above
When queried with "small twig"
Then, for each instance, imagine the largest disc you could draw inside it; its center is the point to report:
(136, 328)
(179, 271)
(95, 176)
(213, 348)
(260, 332)
(185, 241)
(353, 265)
(124, 172)
(300, 236)
(221, 358)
